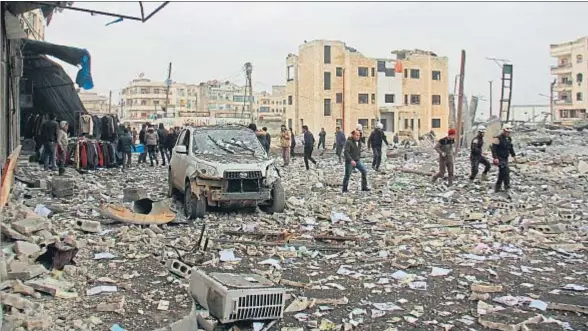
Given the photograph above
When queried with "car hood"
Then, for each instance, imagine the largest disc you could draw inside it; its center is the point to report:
(232, 159)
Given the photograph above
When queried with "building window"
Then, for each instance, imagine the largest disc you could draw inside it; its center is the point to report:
(381, 66)
(415, 99)
(579, 58)
(363, 98)
(327, 54)
(339, 72)
(405, 73)
(436, 75)
(436, 99)
(579, 96)
(144, 91)
(373, 98)
(290, 73)
(389, 98)
(339, 98)
(373, 72)
(327, 80)
(406, 99)
(406, 123)
(143, 102)
(156, 91)
(156, 102)
(579, 78)
(289, 99)
(415, 73)
(363, 72)
(436, 123)
(327, 107)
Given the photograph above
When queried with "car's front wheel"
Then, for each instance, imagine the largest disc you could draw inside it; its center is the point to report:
(194, 206)
(277, 204)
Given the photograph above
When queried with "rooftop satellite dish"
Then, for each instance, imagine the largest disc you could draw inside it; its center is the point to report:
(141, 75)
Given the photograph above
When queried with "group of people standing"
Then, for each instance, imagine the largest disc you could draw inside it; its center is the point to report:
(55, 142)
(160, 140)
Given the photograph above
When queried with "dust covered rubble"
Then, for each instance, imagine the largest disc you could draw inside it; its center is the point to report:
(408, 254)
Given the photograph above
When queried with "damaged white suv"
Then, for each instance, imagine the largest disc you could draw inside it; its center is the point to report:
(224, 166)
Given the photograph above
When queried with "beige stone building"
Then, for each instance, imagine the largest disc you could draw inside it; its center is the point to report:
(330, 84)
(225, 99)
(95, 104)
(146, 99)
(271, 105)
(571, 71)
(425, 92)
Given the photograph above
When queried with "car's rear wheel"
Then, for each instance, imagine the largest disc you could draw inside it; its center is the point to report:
(277, 204)
(194, 206)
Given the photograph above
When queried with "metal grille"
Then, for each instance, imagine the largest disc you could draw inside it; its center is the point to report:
(242, 175)
(259, 306)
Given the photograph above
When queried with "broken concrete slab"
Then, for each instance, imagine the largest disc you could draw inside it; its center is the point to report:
(50, 285)
(25, 271)
(30, 225)
(508, 319)
(486, 288)
(26, 248)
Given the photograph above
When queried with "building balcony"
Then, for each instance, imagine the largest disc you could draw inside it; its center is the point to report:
(563, 86)
(145, 96)
(561, 68)
(563, 102)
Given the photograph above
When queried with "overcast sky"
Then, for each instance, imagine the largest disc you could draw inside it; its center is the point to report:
(206, 41)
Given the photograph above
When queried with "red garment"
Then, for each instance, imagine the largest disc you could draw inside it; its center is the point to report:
(100, 156)
(84, 156)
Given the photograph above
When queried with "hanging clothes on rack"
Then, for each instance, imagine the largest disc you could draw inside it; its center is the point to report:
(86, 125)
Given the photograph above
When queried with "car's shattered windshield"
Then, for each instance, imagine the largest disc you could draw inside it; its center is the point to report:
(227, 142)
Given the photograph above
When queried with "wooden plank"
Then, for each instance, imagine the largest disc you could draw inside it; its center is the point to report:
(8, 176)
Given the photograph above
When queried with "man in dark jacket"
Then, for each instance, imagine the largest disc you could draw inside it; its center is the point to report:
(143, 156)
(292, 143)
(268, 140)
(339, 142)
(171, 141)
(308, 146)
(501, 149)
(444, 147)
(162, 138)
(322, 139)
(125, 144)
(352, 155)
(375, 142)
(49, 131)
(476, 156)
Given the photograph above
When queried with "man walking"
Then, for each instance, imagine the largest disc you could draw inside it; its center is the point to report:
(152, 142)
(476, 156)
(339, 142)
(162, 138)
(49, 132)
(322, 139)
(143, 156)
(308, 146)
(444, 147)
(285, 144)
(375, 142)
(353, 161)
(501, 149)
(125, 144)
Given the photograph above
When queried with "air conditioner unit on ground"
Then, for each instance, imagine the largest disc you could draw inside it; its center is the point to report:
(237, 297)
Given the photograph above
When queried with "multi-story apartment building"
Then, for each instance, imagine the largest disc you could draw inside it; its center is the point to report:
(271, 105)
(225, 99)
(94, 103)
(33, 24)
(330, 84)
(425, 88)
(571, 90)
(145, 99)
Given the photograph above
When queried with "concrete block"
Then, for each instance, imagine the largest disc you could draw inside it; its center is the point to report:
(178, 268)
(62, 187)
(89, 226)
(25, 271)
(9, 232)
(30, 225)
(26, 248)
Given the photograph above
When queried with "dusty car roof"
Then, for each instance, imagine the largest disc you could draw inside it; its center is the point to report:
(223, 127)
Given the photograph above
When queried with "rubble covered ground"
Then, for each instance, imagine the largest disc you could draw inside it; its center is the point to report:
(407, 255)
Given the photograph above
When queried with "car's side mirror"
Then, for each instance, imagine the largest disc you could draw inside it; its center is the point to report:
(181, 149)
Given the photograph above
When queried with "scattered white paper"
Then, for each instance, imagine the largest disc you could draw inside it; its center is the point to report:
(440, 272)
(103, 256)
(386, 306)
(228, 255)
(399, 275)
(574, 287)
(339, 217)
(100, 289)
(272, 262)
(258, 326)
(42, 211)
(421, 286)
(541, 305)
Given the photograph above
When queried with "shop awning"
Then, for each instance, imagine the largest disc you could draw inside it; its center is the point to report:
(74, 56)
(53, 90)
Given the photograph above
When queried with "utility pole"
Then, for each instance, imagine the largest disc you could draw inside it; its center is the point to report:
(109, 102)
(460, 100)
(490, 98)
(248, 67)
(167, 87)
(551, 110)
